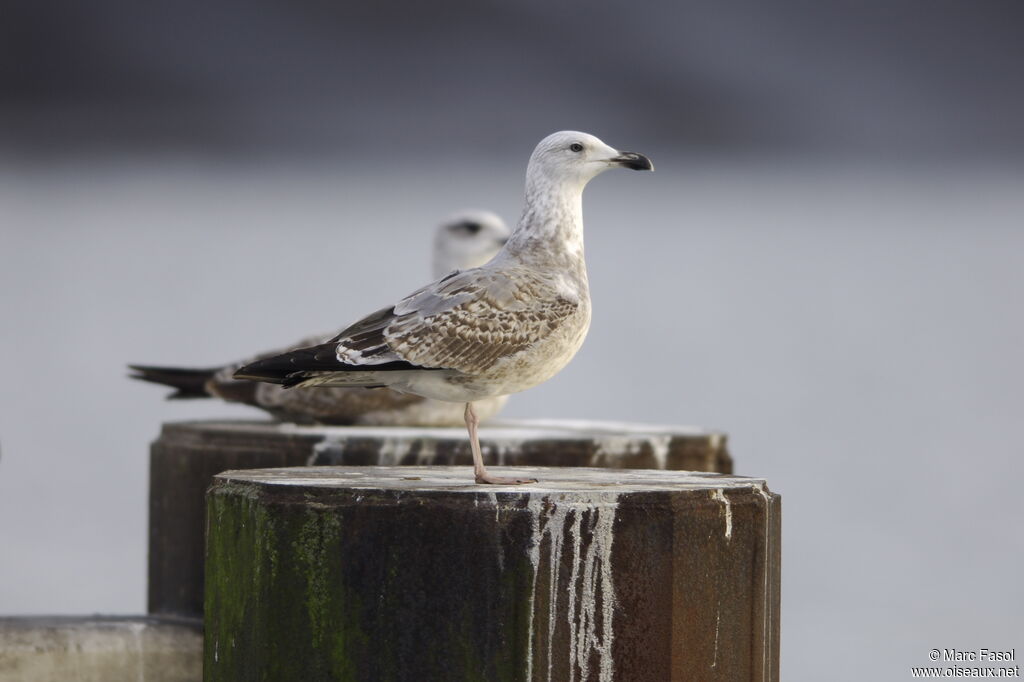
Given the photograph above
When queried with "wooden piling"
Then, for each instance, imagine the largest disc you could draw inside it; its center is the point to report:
(416, 573)
(187, 455)
(100, 649)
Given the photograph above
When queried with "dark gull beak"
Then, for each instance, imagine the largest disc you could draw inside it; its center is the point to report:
(633, 161)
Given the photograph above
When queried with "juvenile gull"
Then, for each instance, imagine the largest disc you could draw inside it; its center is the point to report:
(465, 240)
(496, 329)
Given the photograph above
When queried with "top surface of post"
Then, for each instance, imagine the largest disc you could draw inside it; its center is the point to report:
(534, 442)
(518, 429)
(459, 479)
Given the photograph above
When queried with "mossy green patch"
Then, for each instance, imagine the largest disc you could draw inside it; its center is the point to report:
(317, 536)
(315, 588)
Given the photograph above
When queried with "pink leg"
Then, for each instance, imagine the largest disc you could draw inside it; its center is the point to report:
(478, 458)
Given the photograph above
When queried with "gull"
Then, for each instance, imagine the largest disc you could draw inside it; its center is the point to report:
(497, 329)
(464, 240)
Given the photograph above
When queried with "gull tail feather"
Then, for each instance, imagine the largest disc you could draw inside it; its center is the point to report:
(186, 382)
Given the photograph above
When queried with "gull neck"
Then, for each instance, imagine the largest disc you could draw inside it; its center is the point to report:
(550, 231)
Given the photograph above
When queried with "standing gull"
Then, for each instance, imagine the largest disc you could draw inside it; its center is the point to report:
(493, 330)
(465, 240)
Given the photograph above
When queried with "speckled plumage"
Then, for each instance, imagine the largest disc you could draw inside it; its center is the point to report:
(496, 329)
(477, 324)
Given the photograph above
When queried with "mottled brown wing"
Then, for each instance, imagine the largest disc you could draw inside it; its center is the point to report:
(330, 404)
(471, 321)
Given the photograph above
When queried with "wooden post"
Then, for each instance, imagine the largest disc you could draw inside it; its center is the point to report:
(415, 573)
(187, 455)
(100, 649)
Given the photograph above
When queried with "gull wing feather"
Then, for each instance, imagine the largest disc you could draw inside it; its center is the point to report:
(467, 322)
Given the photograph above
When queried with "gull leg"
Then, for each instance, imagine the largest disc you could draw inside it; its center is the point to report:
(479, 471)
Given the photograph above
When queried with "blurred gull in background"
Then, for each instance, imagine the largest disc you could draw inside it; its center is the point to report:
(466, 240)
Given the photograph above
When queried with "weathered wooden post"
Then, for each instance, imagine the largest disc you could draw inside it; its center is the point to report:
(415, 573)
(100, 649)
(185, 458)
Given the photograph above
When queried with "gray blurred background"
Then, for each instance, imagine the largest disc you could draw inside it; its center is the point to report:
(827, 263)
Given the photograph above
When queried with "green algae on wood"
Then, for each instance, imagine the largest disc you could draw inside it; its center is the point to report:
(292, 596)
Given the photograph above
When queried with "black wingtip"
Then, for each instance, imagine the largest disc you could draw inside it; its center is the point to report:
(293, 380)
(279, 369)
(294, 367)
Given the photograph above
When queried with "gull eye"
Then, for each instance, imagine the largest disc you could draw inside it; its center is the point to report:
(469, 227)
(576, 147)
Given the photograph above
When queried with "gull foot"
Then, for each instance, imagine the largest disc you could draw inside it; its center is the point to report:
(498, 480)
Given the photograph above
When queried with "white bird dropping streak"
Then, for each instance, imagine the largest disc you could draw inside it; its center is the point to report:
(590, 600)
(718, 621)
(614, 447)
(719, 495)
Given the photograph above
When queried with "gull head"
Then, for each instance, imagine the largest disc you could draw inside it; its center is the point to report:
(576, 158)
(467, 240)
